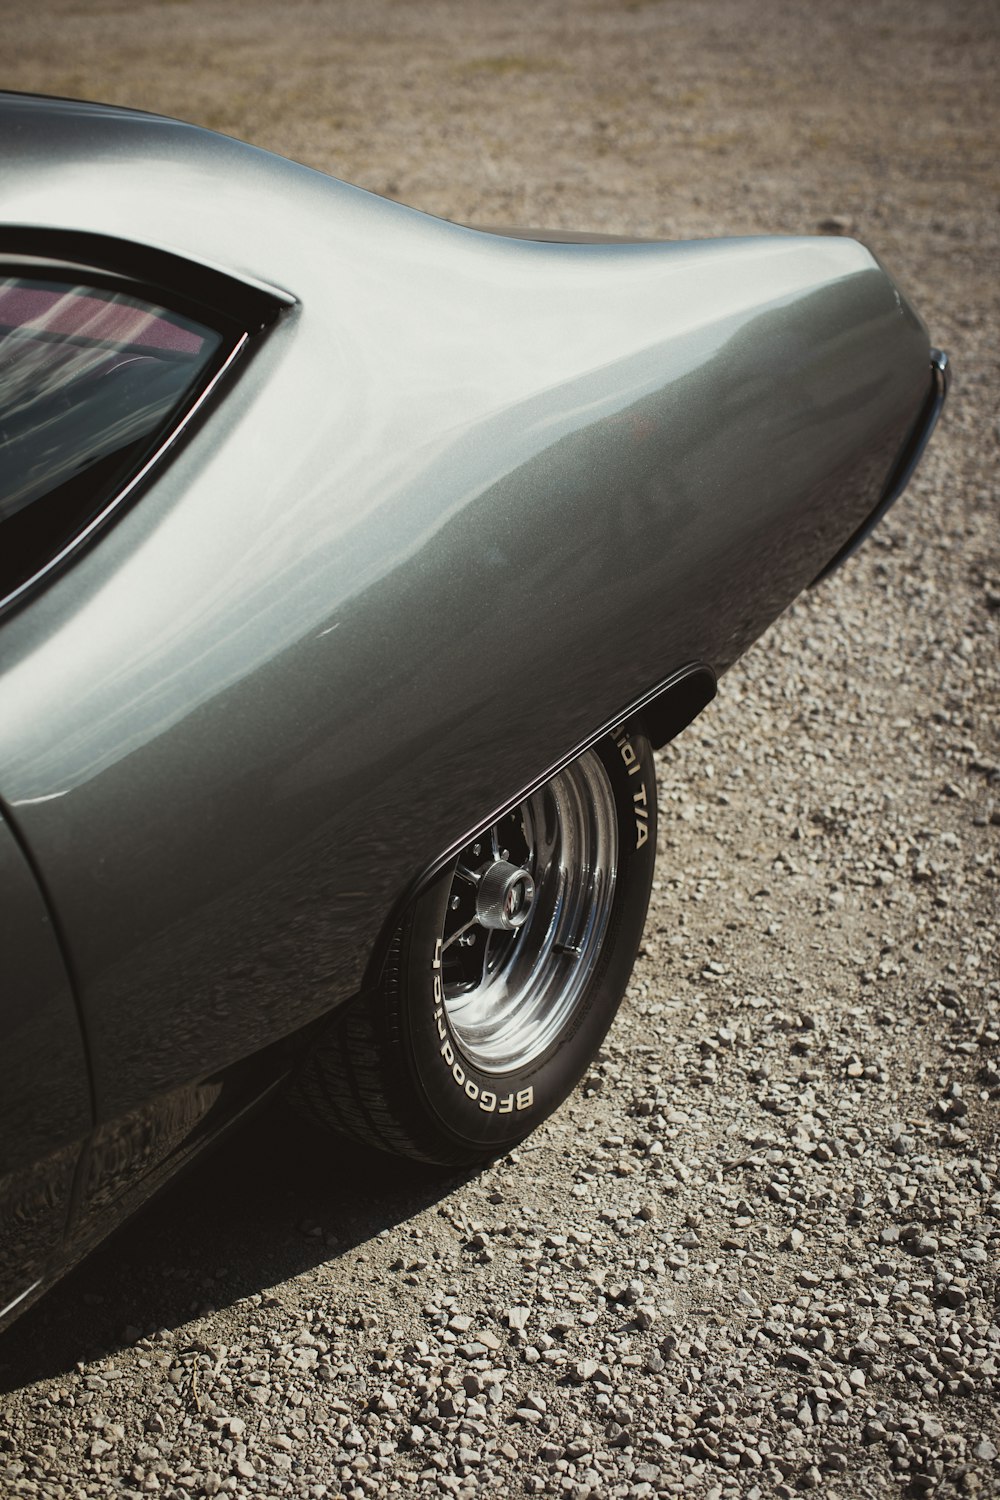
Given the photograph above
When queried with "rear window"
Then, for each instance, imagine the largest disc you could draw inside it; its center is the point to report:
(91, 383)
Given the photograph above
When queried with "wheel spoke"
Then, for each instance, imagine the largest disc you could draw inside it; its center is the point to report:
(513, 992)
(454, 936)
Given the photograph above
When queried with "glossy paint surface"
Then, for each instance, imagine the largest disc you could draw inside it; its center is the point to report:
(468, 499)
(44, 1092)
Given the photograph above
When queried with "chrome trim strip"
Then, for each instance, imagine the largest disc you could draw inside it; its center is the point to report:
(5, 1311)
(431, 871)
(634, 708)
(80, 538)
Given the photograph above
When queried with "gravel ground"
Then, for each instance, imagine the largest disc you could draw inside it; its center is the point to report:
(756, 1252)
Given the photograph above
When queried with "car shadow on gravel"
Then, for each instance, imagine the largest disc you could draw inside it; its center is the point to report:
(275, 1200)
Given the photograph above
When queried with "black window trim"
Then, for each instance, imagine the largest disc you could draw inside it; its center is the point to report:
(241, 311)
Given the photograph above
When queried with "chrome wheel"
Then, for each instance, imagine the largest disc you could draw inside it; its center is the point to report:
(526, 917)
(503, 973)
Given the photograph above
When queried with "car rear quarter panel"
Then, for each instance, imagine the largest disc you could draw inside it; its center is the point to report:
(45, 1112)
(468, 500)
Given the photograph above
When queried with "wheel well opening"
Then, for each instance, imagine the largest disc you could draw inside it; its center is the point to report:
(678, 705)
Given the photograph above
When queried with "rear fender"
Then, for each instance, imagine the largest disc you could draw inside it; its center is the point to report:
(664, 711)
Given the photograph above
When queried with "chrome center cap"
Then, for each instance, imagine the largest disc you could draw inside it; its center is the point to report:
(504, 896)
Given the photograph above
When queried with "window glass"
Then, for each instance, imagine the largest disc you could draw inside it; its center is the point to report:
(90, 381)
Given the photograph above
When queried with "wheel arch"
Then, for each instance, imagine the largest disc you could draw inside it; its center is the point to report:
(665, 710)
(677, 704)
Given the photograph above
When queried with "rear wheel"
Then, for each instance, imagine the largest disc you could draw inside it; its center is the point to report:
(504, 975)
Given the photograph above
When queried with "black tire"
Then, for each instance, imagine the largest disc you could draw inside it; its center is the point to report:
(448, 1069)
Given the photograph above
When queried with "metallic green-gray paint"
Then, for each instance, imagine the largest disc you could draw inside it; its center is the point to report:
(44, 1098)
(469, 499)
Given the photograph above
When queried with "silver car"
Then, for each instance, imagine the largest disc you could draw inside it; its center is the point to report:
(352, 564)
